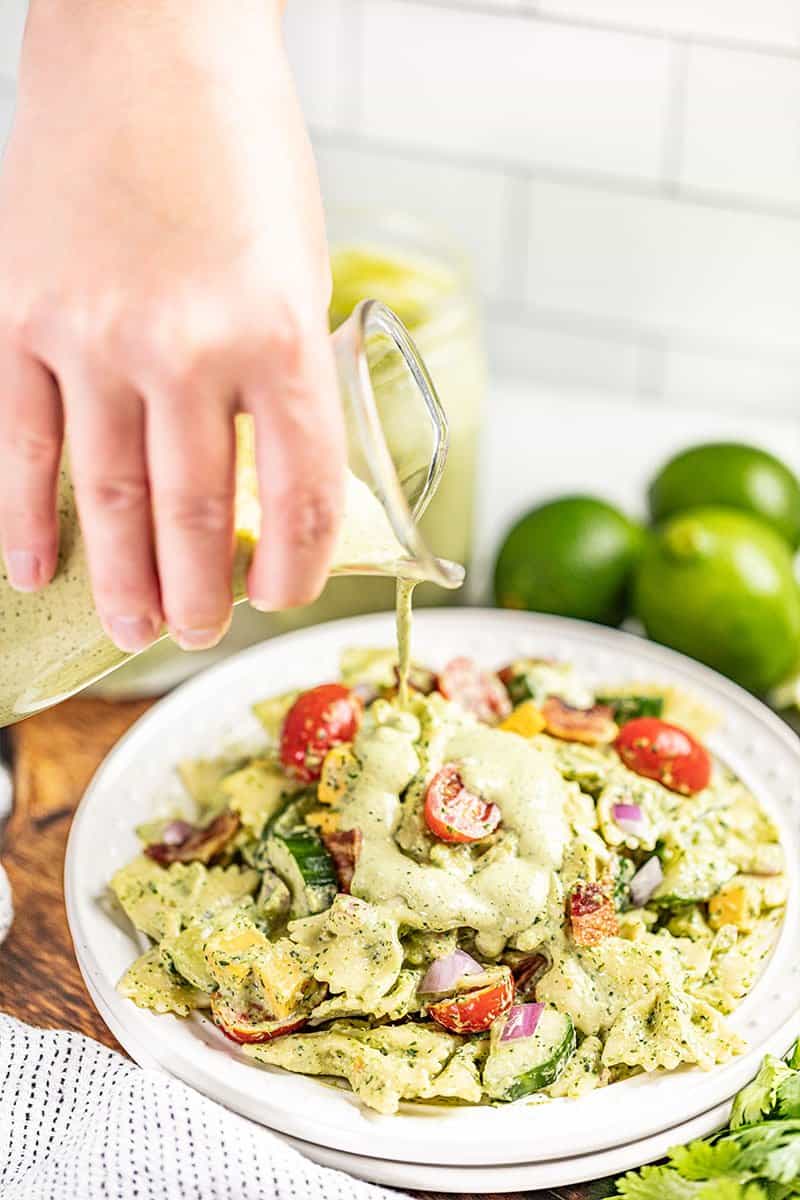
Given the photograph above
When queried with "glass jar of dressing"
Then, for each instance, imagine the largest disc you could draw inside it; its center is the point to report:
(52, 643)
(429, 285)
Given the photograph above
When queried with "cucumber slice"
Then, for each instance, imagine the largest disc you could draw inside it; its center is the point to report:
(307, 869)
(517, 1068)
(622, 872)
(290, 818)
(691, 878)
(629, 708)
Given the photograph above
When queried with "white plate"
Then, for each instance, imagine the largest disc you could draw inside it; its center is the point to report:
(522, 1177)
(212, 711)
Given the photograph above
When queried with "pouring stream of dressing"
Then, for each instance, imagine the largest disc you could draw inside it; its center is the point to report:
(405, 591)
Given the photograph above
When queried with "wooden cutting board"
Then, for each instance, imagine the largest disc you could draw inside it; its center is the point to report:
(54, 756)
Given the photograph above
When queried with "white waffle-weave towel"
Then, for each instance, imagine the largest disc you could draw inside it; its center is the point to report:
(79, 1122)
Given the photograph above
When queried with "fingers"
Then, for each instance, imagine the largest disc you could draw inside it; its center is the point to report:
(106, 432)
(154, 485)
(300, 456)
(191, 460)
(31, 430)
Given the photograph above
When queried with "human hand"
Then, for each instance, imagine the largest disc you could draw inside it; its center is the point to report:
(162, 266)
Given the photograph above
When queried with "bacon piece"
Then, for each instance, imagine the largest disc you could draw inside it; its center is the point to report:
(420, 679)
(592, 726)
(199, 844)
(527, 973)
(592, 913)
(344, 847)
(479, 692)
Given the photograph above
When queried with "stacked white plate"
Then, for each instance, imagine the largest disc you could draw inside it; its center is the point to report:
(522, 1146)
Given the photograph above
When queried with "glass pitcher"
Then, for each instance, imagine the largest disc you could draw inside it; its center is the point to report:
(52, 643)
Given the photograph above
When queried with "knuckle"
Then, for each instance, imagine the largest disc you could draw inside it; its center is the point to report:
(198, 512)
(33, 449)
(311, 518)
(290, 332)
(187, 372)
(187, 348)
(118, 495)
(35, 518)
(21, 321)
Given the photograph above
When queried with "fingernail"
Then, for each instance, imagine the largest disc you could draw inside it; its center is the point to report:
(24, 570)
(132, 633)
(262, 606)
(198, 639)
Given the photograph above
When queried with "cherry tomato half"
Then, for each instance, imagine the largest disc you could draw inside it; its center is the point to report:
(657, 750)
(455, 814)
(250, 1027)
(479, 692)
(318, 720)
(473, 1012)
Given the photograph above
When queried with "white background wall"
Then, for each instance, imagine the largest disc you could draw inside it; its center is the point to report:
(625, 174)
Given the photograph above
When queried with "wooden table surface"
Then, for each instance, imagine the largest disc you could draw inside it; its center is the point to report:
(54, 756)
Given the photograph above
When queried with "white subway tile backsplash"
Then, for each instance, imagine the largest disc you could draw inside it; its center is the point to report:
(660, 265)
(514, 89)
(742, 132)
(12, 23)
(314, 32)
(562, 357)
(468, 206)
(767, 21)
(751, 384)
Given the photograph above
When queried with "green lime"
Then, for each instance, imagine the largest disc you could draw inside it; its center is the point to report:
(719, 585)
(573, 556)
(734, 475)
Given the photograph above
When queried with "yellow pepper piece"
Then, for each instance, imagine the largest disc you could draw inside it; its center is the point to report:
(326, 820)
(730, 907)
(526, 720)
(336, 765)
(229, 953)
(280, 978)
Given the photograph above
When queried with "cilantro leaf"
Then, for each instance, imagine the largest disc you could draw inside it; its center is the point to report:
(656, 1183)
(729, 1189)
(664, 1183)
(789, 1096)
(760, 1098)
(705, 1160)
(770, 1150)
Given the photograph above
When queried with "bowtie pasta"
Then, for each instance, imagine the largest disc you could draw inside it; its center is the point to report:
(508, 885)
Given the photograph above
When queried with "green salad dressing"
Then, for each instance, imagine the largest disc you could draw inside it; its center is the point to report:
(52, 642)
(500, 893)
(405, 592)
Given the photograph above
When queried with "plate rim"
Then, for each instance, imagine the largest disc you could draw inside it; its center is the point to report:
(356, 628)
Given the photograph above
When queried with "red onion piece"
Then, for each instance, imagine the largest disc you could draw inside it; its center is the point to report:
(521, 1021)
(444, 973)
(629, 817)
(176, 832)
(366, 692)
(645, 881)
